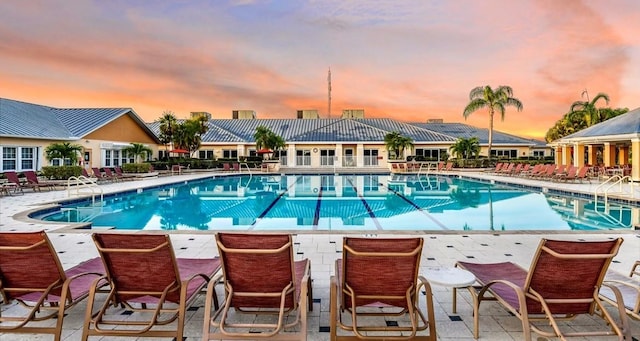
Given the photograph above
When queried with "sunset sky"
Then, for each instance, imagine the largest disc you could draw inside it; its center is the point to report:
(408, 60)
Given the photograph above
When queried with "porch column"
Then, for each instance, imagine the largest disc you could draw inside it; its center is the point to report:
(360, 155)
(338, 160)
(291, 155)
(566, 155)
(558, 155)
(240, 149)
(578, 155)
(635, 159)
(609, 154)
(623, 155)
(593, 155)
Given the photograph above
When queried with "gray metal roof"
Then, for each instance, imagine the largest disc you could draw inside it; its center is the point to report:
(628, 123)
(314, 130)
(20, 119)
(459, 130)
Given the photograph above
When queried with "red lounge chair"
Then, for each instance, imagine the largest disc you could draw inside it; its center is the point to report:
(122, 175)
(380, 273)
(32, 178)
(236, 167)
(260, 277)
(13, 178)
(226, 167)
(109, 175)
(563, 281)
(145, 276)
(31, 274)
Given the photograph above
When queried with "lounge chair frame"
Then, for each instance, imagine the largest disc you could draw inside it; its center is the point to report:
(526, 295)
(31, 274)
(165, 304)
(346, 299)
(629, 288)
(285, 300)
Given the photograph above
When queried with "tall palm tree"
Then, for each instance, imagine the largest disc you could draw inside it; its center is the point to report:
(397, 143)
(137, 150)
(493, 100)
(64, 151)
(592, 115)
(267, 139)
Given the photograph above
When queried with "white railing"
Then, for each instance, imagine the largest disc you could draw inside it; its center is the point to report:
(81, 185)
(607, 186)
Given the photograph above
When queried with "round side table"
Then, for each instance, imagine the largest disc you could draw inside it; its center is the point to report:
(450, 277)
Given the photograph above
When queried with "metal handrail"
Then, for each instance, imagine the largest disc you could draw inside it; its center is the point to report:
(82, 182)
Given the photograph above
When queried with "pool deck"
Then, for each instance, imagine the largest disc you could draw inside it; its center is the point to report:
(441, 249)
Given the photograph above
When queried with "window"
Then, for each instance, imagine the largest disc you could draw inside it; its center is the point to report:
(9, 158)
(370, 157)
(431, 153)
(504, 152)
(27, 158)
(327, 156)
(303, 157)
(538, 153)
(230, 154)
(206, 154)
(283, 157)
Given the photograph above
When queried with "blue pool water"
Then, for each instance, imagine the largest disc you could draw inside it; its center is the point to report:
(343, 203)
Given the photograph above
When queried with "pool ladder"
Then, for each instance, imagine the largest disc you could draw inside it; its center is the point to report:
(81, 185)
(606, 187)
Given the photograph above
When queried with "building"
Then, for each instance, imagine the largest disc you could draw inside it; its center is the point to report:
(26, 130)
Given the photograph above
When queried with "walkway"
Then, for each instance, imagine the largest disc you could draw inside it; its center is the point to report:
(322, 250)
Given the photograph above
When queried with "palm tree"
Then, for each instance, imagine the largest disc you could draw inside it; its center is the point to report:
(465, 148)
(588, 110)
(64, 151)
(397, 143)
(498, 100)
(137, 150)
(267, 139)
(168, 125)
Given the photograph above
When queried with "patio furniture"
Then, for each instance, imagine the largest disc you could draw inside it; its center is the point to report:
(563, 281)
(13, 178)
(32, 275)
(32, 178)
(380, 273)
(145, 277)
(629, 287)
(260, 277)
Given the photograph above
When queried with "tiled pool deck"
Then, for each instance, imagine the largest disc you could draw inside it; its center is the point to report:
(441, 249)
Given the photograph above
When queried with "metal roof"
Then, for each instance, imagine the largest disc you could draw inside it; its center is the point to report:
(26, 120)
(628, 123)
(315, 130)
(459, 130)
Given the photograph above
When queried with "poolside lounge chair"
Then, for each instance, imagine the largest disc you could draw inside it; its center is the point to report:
(31, 274)
(98, 174)
(449, 166)
(260, 276)
(109, 175)
(570, 174)
(236, 167)
(226, 167)
(563, 281)
(629, 287)
(380, 273)
(144, 276)
(176, 169)
(32, 178)
(14, 179)
(122, 175)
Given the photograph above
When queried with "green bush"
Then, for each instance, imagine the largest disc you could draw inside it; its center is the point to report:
(136, 167)
(61, 172)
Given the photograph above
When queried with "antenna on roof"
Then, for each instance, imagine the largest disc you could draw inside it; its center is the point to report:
(329, 92)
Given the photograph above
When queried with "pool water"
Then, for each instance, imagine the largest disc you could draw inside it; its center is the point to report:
(343, 203)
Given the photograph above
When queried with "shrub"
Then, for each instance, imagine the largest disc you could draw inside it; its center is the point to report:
(61, 172)
(136, 167)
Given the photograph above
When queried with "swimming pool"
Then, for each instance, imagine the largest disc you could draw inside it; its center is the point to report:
(343, 203)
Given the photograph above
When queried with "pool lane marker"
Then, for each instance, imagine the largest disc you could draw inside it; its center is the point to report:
(418, 208)
(366, 205)
(316, 214)
(272, 204)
